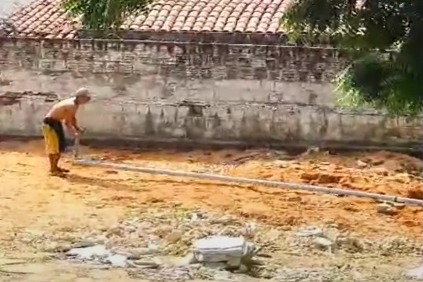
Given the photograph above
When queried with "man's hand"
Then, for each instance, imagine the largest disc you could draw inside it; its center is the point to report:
(78, 132)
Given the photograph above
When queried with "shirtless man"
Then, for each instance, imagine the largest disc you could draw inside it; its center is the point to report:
(54, 137)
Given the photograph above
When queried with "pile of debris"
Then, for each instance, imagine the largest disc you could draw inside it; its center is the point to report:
(233, 252)
(201, 245)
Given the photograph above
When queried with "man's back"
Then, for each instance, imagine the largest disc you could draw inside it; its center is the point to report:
(63, 110)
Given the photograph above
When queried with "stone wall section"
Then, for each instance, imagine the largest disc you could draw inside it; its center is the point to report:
(145, 89)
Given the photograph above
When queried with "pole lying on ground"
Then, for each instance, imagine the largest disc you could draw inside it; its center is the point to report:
(249, 181)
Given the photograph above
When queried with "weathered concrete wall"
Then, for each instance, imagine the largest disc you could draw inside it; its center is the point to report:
(148, 90)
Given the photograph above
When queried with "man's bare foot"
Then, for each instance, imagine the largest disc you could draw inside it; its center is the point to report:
(64, 170)
(57, 173)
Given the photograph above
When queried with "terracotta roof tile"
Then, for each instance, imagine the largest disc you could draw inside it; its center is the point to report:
(46, 18)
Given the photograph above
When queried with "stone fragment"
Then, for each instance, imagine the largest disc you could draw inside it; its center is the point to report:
(98, 251)
(187, 260)
(415, 273)
(219, 248)
(115, 231)
(234, 262)
(117, 260)
(387, 209)
(242, 269)
(174, 237)
(137, 253)
(54, 247)
(310, 232)
(361, 164)
(323, 243)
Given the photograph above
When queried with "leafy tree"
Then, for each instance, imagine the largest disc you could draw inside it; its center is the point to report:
(385, 38)
(102, 15)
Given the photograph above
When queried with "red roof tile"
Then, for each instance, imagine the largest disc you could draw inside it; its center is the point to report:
(45, 18)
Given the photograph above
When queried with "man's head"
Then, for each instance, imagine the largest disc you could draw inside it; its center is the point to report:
(82, 96)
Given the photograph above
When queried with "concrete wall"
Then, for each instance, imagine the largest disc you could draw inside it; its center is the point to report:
(220, 92)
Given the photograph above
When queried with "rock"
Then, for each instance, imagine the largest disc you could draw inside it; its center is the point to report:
(310, 232)
(225, 220)
(87, 243)
(361, 164)
(137, 253)
(234, 262)
(194, 218)
(187, 260)
(309, 176)
(242, 269)
(117, 260)
(357, 276)
(222, 276)
(114, 231)
(294, 198)
(144, 226)
(124, 253)
(331, 234)
(163, 231)
(380, 170)
(220, 248)
(217, 265)
(395, 245)
(251, 250)
(301, 274)
(415, 273)
(249, 230)
(54, 247)
(311, 150)
(98, 251)
(150, 263)
(282, 163)
(174, 237)
(323, 243)
(153, 248)
(130, 229)
(387, 209)
(350, 243)
(399, 206)
(195, 266)
(25, 238)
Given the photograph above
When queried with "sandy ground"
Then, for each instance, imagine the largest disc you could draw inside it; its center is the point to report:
(90, 197)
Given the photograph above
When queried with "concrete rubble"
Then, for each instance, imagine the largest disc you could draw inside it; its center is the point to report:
(230, 250)
(100, 254)
(201, 245)
(415, 273)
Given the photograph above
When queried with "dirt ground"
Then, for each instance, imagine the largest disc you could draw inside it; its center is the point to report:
(92, 197)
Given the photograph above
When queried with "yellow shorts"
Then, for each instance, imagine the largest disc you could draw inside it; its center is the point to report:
(51, 140)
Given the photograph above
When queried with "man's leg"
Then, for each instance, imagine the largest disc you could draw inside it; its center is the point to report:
(52, 149)
(62, 145)
(54, 160)
(61, 169)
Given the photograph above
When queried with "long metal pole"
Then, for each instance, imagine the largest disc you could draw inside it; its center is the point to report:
(249, 181)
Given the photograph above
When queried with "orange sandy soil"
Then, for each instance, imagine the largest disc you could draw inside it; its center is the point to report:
(91, 197)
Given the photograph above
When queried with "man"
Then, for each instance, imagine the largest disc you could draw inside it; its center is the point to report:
(54, 136)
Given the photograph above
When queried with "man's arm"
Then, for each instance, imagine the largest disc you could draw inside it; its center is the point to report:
(70, 123)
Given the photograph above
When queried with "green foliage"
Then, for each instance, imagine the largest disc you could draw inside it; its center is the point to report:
(103, 15)
(383, 37)
(374, 79)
